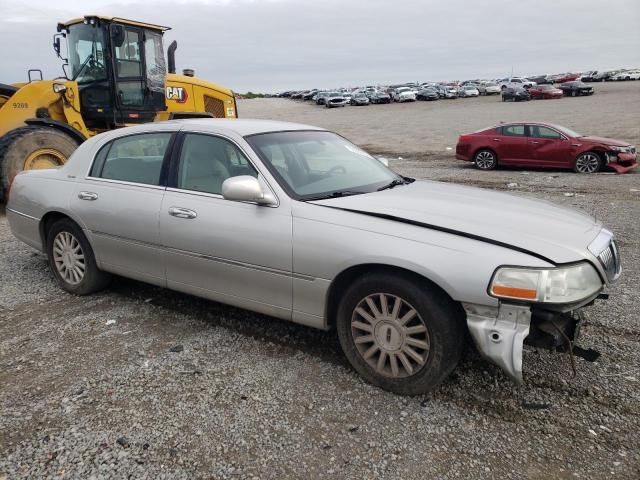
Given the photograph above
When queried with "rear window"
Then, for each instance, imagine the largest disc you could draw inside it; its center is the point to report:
(136, 158)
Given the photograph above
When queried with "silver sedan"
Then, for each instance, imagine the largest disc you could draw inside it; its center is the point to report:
(298, 223)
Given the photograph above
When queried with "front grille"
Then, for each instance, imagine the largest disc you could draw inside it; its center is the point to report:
(610, 259)
(214, 106)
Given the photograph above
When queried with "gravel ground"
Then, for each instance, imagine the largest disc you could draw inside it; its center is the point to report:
(141, 382)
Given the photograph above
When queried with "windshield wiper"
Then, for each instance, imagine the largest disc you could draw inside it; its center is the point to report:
(336, 194)
(84, 65)
(394, 183)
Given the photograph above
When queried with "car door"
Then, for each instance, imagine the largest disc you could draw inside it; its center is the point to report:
(549, 147)
(233, 252)
(119, 203)
(512, 145)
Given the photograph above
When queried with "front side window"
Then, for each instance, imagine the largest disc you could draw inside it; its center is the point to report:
(539, 131)
(207, 161)
(136, 158)
(513, 130)
(312, 164)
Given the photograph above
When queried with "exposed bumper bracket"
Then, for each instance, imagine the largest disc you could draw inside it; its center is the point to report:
(499, 334)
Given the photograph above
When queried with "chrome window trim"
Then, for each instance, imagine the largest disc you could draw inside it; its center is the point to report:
(126, 183)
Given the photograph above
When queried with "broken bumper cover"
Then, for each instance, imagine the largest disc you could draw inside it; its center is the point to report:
(500, 333)
(622, 162)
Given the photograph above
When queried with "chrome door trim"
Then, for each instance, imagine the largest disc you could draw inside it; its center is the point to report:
(22, 214)
(225, 261)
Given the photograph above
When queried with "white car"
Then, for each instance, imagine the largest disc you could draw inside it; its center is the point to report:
(404, 94)
(628, 75)
(489, 88)
(469, 91)
(515, 82)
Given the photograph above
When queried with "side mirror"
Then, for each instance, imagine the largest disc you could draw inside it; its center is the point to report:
(117, 35)
(245, 188)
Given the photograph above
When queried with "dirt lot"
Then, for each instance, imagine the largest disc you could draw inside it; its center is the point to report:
(140, 382)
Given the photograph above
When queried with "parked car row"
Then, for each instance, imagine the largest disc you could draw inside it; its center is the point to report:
(449, 90)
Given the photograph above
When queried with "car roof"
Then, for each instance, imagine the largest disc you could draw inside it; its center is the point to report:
(242, 127)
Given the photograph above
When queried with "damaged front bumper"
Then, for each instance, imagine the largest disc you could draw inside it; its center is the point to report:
(500, 333)
(622, 162)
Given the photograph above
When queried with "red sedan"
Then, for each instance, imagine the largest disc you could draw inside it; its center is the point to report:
(567, 77)
(544, 145)
(545, 91)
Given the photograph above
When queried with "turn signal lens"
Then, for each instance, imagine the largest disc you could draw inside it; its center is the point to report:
(512, 292)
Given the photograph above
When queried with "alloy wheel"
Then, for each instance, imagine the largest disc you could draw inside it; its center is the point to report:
(485, 160)
(587, 163)
(390, 335)
(68, 257)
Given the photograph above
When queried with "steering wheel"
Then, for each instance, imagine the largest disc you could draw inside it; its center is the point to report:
(96, 65)
(336, 169)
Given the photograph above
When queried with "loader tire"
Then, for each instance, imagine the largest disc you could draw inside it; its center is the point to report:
(27, 148)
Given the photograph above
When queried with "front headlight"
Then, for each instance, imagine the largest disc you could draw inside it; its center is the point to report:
(554, 285)
(618, 149)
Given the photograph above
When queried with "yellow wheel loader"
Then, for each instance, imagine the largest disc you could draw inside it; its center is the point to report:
(115, 76)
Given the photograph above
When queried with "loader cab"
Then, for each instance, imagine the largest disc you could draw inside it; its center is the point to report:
(119, 68)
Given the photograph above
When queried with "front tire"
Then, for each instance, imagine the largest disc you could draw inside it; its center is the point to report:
(399, 334)
(72, 260)
(588, 162)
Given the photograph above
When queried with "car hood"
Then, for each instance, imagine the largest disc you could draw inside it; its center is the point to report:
(558, 234)
(605, 141)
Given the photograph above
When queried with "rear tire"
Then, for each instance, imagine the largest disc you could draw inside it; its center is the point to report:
(72, 260)
(407, 358)
(29, 148)
(485, 159)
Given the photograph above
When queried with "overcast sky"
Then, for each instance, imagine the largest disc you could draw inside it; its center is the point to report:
(272, 45)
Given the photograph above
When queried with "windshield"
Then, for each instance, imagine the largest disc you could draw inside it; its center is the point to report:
(86, 53)
(311, 164)
(403, 89)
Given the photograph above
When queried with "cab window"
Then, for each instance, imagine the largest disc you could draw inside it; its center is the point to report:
(206, 161)
(136, 158)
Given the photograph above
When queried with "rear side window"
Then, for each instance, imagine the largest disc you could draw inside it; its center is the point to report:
(513, 130)
(136, 158)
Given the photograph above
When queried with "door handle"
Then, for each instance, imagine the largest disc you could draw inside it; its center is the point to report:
(534, 142)
(182, 212)
(88, 196)
(497, 140)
